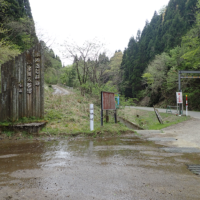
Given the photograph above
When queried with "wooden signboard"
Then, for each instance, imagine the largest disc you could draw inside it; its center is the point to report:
(108, 103)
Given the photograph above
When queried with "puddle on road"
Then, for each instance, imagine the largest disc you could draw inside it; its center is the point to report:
(23, 155)
(8, 156)
(162, 139)
(35, 164)
(181, 150)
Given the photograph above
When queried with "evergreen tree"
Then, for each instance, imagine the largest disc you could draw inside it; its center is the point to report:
(163, 33)
(15, 16)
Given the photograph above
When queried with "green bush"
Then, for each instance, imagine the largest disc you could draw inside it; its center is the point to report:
(53, 114)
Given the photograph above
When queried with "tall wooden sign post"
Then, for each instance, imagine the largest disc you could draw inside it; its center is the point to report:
(22, 86)
(108, 103)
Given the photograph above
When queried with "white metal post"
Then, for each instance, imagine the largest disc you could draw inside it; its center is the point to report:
(186, 106)
(91, 117)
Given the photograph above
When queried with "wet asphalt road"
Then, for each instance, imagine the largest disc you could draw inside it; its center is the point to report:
(194, 114)
(106, 168)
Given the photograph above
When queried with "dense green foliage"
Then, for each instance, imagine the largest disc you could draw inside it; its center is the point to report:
(17, 34)
(68, 76)
(163, 33)
(161, 75)
(113, 73)
(18, 25)
(52, 66)
(17, 29)
(92, 70)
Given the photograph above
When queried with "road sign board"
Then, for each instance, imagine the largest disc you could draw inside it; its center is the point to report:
(179, 97)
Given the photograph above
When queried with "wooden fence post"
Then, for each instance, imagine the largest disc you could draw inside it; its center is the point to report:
(116, 116)
(107, 116)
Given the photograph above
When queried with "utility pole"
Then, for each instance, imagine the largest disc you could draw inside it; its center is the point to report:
(179, 89)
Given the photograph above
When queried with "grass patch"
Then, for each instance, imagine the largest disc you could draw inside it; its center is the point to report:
(8, 133)
(15, 135)
(148, 120)
(70, 115)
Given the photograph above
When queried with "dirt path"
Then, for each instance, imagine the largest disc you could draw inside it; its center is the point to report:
(60, 91)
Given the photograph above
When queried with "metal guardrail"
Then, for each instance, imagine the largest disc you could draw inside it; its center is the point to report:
(170, 109)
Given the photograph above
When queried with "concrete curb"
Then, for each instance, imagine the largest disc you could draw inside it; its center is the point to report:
(149, 131)
(129, 124)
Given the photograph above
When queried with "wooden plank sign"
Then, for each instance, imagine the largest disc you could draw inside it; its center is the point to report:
(108, 101)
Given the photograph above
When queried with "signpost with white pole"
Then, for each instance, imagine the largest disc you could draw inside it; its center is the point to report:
(179, 100)
(91, 117)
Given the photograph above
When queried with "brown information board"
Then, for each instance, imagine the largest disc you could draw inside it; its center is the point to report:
(108, 101)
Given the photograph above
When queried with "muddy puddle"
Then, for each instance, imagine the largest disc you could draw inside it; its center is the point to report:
(102, 168)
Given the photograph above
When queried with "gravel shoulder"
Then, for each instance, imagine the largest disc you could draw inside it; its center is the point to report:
(187, 133)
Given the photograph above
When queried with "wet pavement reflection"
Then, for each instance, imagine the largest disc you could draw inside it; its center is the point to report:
(102, 168)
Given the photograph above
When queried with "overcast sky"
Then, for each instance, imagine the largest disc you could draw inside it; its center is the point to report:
(111, 21)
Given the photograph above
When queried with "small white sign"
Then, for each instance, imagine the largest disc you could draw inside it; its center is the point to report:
(179, 97)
